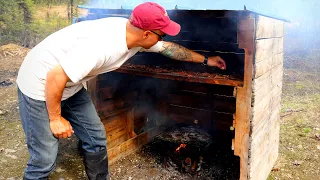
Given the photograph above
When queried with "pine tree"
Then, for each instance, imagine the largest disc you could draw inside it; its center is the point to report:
(15, 18)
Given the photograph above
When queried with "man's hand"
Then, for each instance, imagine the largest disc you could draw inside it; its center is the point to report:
(217, 61)
(55, 83)
(61, 128)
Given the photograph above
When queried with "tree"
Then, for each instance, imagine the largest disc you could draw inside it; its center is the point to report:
(15, 17)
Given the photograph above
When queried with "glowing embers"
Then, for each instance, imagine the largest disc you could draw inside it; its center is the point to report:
(181, 146)
(188, 165)
(183, 149)
(192, 153)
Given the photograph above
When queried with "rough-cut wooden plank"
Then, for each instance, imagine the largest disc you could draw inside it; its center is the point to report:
(268, 27)
(275, 81)
(258, 132)
(273, 99)
(201, 89)
(187, 76)
(246, 32)
(116, 133)
(268, 47)
(107, 107)
(221, 104)
(268, 64)
(117, 141)
(267, 88)
(114, 122)
(268, 150)
(261, 137)
(112, 106)
(263, 92)
(188, 116)
(130, 124)
(262, 108)
(114, 113)
(263, 169)
(105, 93)
(132, 145)
(273, 76)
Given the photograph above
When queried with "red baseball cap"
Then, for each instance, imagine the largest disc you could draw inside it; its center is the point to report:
(151, 16)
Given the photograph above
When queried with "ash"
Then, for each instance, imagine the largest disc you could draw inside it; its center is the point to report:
(181, 152)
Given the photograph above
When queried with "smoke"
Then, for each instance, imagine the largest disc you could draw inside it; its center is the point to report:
(295, 10)
(301, 33)
(302, 13)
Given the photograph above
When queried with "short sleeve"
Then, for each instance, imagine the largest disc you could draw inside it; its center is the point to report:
(156, 48)
(80, 61)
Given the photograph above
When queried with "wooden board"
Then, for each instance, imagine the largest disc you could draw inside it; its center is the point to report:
(213, 78)
(105, 93)
(132, 144)
(268, 149)
(267, 88)
(222, 104)
(271, 77)
(119, 128)
(114, 122)
(263, 136)
(263, 169)
(234, 61)
(263, 108)
(268, 64)
(269, 28)
(264, 92)
(266, 48)
(246, 31)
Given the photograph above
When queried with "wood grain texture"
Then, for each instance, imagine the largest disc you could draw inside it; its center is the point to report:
(117, 142)
(267, 90)
(269, 27)
(271, 77)
(268, 64)
(263, 135)
(114, 122)
(243, 101)
(266, 48)
(130, 124)
(132, 144)
(265, 153)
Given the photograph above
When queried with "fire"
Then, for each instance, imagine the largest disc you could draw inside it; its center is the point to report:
(181, 146)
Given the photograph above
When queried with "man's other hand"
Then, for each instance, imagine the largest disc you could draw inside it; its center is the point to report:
(61, 128)
(217, 61)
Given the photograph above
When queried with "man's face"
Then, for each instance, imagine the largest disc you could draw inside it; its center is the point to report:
(151, 37)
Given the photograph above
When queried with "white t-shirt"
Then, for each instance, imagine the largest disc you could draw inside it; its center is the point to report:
(84, 50)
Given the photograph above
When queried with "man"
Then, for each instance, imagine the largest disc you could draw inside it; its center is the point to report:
(52, 101)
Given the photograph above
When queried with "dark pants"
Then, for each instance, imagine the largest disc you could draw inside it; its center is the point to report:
(43, 146)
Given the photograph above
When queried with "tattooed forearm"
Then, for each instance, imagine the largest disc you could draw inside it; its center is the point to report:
(177, 52)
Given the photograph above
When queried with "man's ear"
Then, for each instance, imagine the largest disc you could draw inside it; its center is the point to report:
(145, 34)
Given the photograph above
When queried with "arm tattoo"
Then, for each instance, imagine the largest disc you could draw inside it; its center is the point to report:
(177, 52)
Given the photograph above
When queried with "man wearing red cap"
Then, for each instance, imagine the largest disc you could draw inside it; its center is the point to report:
(52, 101)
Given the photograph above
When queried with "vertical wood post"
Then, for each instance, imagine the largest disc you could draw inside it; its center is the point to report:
(246, 28)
